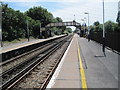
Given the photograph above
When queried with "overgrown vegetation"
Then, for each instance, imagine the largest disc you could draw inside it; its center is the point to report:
(14, 22)
(112, 34)
(109, 26)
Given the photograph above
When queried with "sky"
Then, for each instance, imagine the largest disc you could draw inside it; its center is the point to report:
(69, 10)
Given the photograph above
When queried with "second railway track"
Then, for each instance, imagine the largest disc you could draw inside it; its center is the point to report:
(12, 76)
(24, 57)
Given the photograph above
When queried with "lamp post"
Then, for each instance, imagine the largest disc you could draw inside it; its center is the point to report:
(74, 17)
(28, 31)
(40, 31)
(85, 20)
(1, 36)
(74, 21)
(1, 28)
(88, 21)
(83, 26)
(103, 31)
(88, 26)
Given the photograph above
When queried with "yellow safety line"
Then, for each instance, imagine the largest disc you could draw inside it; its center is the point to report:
(82, 72)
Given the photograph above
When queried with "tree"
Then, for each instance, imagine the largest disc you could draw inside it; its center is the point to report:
(109, 26)
(58, 19)
(96, 23)
(13, 24)
(68, 30)
(96, 26)
(39, 13)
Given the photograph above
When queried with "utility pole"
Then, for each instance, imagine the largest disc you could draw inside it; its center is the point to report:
(103, 31)
(28, 31)
(83, 26)
(1, 35)
(1, 27)
(88, 27)
(40, 31)
(74, 17)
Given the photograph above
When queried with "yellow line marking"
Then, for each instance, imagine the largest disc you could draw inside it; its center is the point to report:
(82, 72)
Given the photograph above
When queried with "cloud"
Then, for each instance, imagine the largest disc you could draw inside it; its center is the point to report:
(95, 10)
(59, 0)
(68, 8)
(40, 0)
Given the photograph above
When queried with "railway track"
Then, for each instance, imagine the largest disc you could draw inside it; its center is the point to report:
(24, 57)
(13, 75)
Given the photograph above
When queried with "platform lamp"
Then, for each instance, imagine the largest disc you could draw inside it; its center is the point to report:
(1, 28)
(28, 30)
(85, 20)
(1, 36)
(74, 17)
(103, 31)
(40, 31)
(74, 21)
(83, 24)
(88, 25)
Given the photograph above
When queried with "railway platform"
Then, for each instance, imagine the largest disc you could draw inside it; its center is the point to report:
(20, 45)
(22, 48)
(85, 66)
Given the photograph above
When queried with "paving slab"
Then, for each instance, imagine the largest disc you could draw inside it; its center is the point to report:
(20, 45)
(100, 71)
(69, 75)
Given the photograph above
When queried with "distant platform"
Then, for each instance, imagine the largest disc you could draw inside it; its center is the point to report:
(20, 45)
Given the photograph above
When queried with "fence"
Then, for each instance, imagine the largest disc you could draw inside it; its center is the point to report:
(112, 39)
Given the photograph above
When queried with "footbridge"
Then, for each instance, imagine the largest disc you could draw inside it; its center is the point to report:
(47, 30)
(61, 24)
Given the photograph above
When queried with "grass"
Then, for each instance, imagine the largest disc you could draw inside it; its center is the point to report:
(20, 40)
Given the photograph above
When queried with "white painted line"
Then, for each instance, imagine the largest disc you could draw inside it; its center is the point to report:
(109, 50)
(52, 81)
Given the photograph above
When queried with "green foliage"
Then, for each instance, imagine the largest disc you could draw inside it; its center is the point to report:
(39, 13)
(57, 30)
(58, 19)
(91, 28)
(96, 26)
(14, 23)
(109, 26)
(96, 23)
(68, 30)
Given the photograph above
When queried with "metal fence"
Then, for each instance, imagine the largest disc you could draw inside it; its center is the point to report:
(112, 39)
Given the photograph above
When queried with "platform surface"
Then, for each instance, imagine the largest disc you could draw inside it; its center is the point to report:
(20, 45)
(100, 71)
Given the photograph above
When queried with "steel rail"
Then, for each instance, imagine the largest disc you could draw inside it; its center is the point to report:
(26, 61)
(21, 73)
(45, 83)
